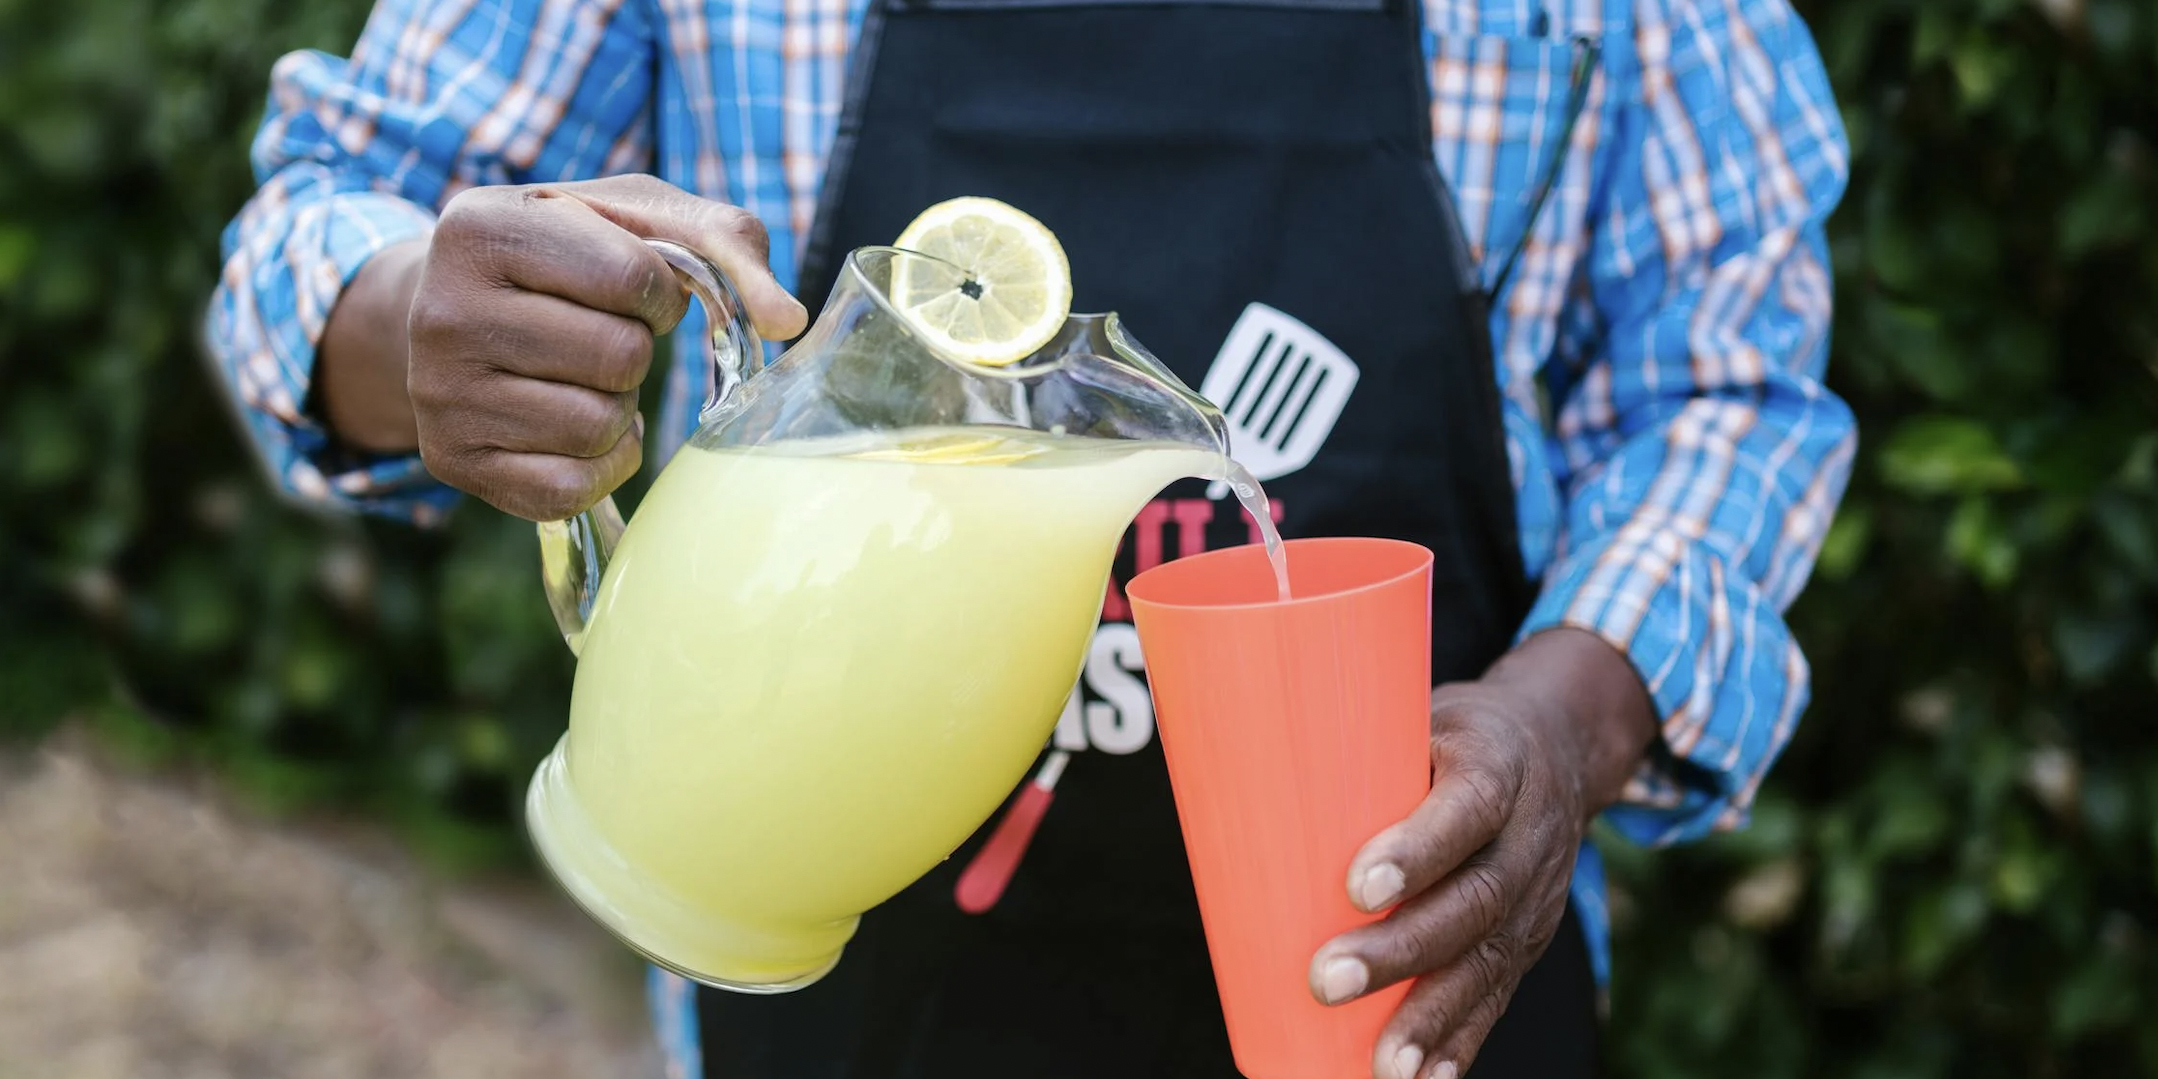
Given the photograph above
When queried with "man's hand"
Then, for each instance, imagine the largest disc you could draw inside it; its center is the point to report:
(1523, 759)
(524, 332)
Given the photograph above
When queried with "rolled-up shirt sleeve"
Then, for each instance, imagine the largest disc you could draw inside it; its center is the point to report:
(355, 155)
(1703, 458)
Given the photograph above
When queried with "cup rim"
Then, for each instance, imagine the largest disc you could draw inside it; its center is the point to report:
(1168, 570)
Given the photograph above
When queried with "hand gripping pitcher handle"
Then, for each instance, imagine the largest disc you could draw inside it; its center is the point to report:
(574, 553)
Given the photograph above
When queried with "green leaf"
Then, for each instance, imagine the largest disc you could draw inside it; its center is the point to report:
(2108, 806)
(1912, 338)
(1845, 544)
(1976, 541)
(1911, 820)
(1939, 924)
(2139, 470)
(2026, 869)
(18, 249)
(1777, 829)
(46, 675)
(1940, 454)
(2078, 454)
(1934, 36)
(1847, 889)
(1847, 35)
(2107, 211)
(45, 440)
(2131, 533)
(1981, 66)
(1894, 251)
(2020, 354)
(483, 743)
(2092, 642)
(2096, 993)
(199, 609)
(2114, 25)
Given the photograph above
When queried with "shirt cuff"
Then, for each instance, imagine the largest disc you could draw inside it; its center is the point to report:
(267, 323)
(1726, 680)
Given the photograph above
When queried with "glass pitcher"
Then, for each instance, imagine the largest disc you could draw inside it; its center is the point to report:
(844, 621)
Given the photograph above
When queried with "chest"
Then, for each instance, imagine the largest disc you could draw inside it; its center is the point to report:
(753, 92)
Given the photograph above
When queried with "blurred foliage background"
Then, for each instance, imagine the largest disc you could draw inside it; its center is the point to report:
(1955, 871)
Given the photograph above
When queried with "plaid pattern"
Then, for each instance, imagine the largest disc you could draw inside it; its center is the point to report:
(1660, 345)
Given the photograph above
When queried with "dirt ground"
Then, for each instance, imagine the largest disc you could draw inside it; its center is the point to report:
(150, 930)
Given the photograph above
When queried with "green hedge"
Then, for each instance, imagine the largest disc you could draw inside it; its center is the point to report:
(1952, 874)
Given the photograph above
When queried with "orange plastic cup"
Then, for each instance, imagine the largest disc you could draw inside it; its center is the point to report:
(1294, 732)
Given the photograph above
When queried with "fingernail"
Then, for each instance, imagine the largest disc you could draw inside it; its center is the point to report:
(1407, 1059)
(1342, 979)
(1447, 1071)
(1382, 885)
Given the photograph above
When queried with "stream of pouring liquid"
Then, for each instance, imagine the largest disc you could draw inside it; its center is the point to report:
(1253, 498)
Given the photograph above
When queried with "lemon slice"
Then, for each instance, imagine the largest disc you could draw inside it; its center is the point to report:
(1003, 291)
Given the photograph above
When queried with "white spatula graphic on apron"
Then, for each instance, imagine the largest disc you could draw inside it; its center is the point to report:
(1281, 385)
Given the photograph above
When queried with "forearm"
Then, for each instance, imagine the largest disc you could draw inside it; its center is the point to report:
(360, 367)
(1597, 716)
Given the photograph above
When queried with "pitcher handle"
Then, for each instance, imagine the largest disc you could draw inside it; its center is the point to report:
(574, 553)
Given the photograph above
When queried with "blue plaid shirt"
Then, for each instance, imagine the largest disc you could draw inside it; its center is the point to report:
(1660, 344)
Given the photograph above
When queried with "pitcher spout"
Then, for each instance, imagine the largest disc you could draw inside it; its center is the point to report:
(1094, 380)
(1174, 411)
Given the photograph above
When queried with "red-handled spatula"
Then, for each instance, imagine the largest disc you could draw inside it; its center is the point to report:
(991, 871)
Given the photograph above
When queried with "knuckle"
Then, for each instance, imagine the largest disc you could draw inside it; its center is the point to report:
(554, 493)
(428, 386)
(742, 227)
(1388, 953)
(620, 351)
(429, 329)
(445, 458)
(1433, 1005)
(458, 212)
(1487, 796)
(469, 214)
(636, 183)
(439, 374)
(427, 315)
(625, 463)
(556, 499)
(592, 425)
(1404, 955)
(1484, 893)
(493, 233)
(1485, 1011)
(1490, 965)
(643, 280)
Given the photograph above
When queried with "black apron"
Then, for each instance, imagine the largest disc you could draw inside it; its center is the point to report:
(1194, 159)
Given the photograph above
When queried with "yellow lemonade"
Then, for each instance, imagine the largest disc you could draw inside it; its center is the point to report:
(814, 668)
